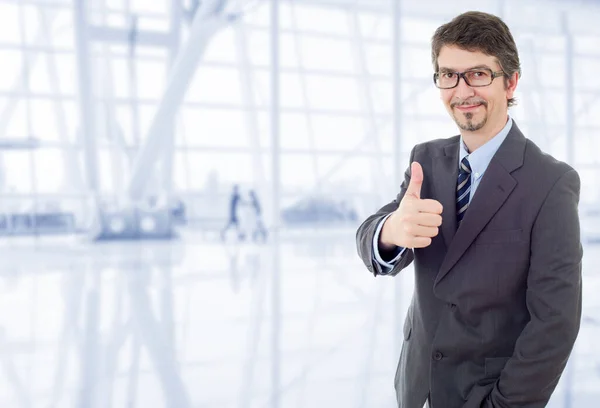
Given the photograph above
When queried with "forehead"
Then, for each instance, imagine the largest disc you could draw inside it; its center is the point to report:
(459, 59)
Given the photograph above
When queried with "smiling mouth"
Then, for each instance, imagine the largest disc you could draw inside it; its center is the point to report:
(468, 107)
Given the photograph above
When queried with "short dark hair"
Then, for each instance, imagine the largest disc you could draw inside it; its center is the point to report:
(483, 32)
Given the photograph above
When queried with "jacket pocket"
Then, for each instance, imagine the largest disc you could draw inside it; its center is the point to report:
(503, 246)
(494, 366)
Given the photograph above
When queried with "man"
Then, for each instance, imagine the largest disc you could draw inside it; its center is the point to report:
(497, 301)
(234, 212)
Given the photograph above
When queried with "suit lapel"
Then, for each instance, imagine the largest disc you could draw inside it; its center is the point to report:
(445, 169)
(493, 190)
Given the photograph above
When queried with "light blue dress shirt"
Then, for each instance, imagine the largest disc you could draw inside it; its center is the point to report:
(479, 161)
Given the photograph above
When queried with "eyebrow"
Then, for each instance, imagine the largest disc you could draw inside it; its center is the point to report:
(445, 69)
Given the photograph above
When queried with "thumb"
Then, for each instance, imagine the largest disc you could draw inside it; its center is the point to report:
(416, 180)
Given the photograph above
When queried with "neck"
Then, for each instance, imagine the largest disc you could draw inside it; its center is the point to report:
(474, 140)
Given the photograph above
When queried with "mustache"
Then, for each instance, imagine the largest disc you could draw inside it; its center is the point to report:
(469, 102)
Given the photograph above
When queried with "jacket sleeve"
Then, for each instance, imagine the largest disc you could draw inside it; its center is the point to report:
(553, 299)
(366, 233)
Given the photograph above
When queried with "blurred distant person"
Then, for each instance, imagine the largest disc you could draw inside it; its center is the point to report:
(491, 224)
(259, 227)
(234, 214)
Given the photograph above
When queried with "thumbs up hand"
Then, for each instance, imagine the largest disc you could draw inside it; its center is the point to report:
(415, 222)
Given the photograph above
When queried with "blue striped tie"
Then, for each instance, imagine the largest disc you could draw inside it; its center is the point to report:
(463, 189)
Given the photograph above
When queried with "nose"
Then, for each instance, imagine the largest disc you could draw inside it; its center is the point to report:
(463, 90)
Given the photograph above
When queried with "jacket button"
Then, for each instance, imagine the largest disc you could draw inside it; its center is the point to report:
(451, 305)
(438, 356)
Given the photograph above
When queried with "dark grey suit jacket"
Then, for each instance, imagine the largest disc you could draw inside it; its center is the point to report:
(497, 303)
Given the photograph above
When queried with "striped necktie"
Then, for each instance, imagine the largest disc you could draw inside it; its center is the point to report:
(463, 189)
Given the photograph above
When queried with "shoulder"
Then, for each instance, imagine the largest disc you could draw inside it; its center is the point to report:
(544, 167)
(436, 147)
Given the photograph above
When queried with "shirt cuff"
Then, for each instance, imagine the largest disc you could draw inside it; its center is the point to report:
(385, 266)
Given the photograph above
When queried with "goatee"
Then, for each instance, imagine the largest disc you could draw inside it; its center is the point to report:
(469, 125)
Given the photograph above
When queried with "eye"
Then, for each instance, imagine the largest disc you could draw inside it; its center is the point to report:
(479, 74)
(449, 75)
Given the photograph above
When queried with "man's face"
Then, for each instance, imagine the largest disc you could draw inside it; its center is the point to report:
(474, 107)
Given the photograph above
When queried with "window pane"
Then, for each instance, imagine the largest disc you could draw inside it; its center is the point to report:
(50, 170)
(416, 63)
(292, 94)
(215, 127)
(17, 171)
(150, 77)
(418, 31)
(44, 121)
(9, 21)
(63, 31)
(125, 127)
(295, 132)
(39, 79)
(217, 85)
(231, 167)
(155, 7)
(10, 69)
(222, 46)
(320, 19)
(585, 73)
(340, 133)
(375, 26)
(327, 54)
(587, 147)
(113, 170)
(146, 117)
(289, 54)
(296, 170)
(17, 121)
(587, 109)
(333, 93)
(350, 173)
(121, 77)
(378, 59)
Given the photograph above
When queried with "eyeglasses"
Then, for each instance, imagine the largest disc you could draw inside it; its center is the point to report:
(475, 78)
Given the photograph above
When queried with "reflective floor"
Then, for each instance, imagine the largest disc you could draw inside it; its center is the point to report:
(198, 323)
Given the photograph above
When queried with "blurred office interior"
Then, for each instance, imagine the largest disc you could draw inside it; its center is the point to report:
(181, 182)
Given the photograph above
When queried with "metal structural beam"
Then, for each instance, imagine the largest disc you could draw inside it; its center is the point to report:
(166, 176)
(275, 210)
(367, 102)
(202, 29)
(110, 130)
(570, 92)
(397, 146)
(71, 164)
(302, 76)
(251, 116)
(87, 121)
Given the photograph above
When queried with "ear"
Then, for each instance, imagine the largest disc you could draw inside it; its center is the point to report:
(511, 85)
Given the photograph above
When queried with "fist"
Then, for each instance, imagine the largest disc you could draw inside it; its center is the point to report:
(416, 221)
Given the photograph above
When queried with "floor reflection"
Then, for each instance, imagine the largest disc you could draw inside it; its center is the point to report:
(187, 323)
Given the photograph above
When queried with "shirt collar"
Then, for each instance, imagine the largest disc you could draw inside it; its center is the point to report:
(480, 158)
